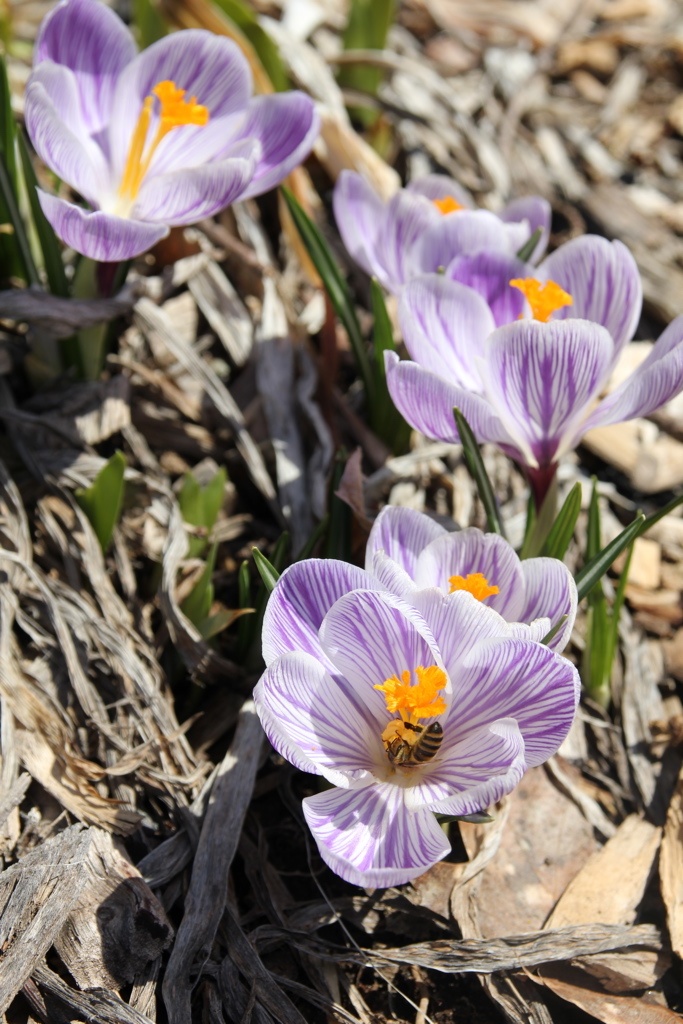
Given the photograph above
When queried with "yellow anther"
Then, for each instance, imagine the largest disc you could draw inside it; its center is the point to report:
(447, 204)
(475, 584)
(418, 700)
(174, 112)
(544, 297)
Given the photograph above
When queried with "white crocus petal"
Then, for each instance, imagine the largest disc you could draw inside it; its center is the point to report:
(370, 838)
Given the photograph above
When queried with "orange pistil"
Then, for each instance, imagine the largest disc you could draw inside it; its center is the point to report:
(544, 297)
(475, 584)
(174, 112)
(447, 205)
(418, 700)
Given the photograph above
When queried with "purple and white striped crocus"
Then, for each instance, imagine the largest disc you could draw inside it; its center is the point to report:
(533, 386)
(407, 709)
(151, 140)
(427, 225)
(408, 552)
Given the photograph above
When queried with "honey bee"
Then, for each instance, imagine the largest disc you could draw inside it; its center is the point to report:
(406, 751)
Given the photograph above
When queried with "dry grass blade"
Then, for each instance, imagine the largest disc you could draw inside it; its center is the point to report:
(206, 897)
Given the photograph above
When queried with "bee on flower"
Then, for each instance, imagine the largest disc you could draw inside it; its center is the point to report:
(414, 705)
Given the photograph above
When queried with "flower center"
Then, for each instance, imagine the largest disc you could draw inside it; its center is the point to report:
(475, 584)
(544, 297)
(447, 204)
(406, 742)
(174, 112)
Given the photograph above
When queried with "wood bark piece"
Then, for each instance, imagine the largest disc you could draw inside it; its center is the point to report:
(611, 885)
(671, 868)
(116, 927)
(36, 897)
(60, 1003)
(515, 951)
(218, 841)
(606, 1007)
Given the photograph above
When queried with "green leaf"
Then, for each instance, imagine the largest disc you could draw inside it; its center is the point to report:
(266, 570)
(542, 523)
(596, 568)
(50, 246)
(336, 288)
(527, 250)
(242, 15)
(554, 631)
(16, 242)
(562, 530)
(102, 501)
(197, 604)
(481, 818)
(385, 418)
(654, 517)
(475, 465)
(149, 23)
(246, 628)
(8, 128)
(367, 27)
(200, 506)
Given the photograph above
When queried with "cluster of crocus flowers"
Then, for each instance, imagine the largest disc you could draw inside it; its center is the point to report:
(526, 353)
(404, 687)
(151, 140)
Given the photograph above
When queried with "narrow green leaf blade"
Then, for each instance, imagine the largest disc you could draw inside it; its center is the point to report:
(563, 528)
(475, 465)
(596, 568)
(654, 517)
(266, 570)
(197, 604)
(102, 501)
(242, 15)
(367, 27)
(527, 250)
(386, 420)
(149, 23)
(50, 246)
(336, 288)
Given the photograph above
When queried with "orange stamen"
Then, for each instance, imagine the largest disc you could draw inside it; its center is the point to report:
(447, 205)
(418, 700)
(543, 297)
(475, 584)
(174, 112)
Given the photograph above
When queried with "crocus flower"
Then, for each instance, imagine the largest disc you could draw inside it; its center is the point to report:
(407, 709)
(532, 386)
(155, 139)
(407, 552)
(427, 225)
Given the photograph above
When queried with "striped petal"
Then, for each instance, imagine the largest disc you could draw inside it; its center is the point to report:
(406, 219)
(59, 134)
(87, 37)
(444, 325)
(370, 838)
(541, 377)
(302, 598)
(402, 534)
(310, 719)
(359, 212)
(603, 280)
(427, 402)
(100, 236)
(517, 679)
(537, 212)
(467, 231)
(657, 380)
(489, 273)
(471, 551)
(370, 637)
(184, 197)
(469, 776)
(550, 595)
(459, 623)
(207, 66)
(286, 126)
